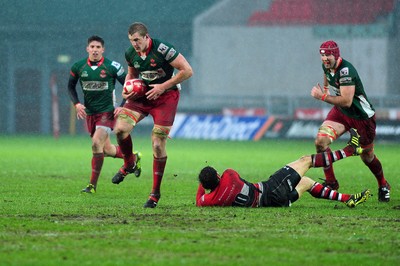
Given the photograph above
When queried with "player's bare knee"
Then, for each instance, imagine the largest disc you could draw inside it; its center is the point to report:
(117, 130)
(96, 145)
(320, 145)
(159, 138)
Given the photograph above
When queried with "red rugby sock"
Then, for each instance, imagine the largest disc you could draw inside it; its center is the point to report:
(97, 164)
(319, 191)
(158, 173)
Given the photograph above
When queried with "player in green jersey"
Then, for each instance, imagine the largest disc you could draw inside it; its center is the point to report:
(154, 61)
(351, 109)
(97, 76)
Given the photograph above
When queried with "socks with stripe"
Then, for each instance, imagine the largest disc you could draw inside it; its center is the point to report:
(328, 157)
(321, 192)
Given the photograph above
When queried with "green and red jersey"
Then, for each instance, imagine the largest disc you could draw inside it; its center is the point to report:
(98, 83)
(154, 68)
(346, 75)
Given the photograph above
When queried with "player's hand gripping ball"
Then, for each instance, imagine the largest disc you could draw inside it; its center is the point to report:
(136, 85)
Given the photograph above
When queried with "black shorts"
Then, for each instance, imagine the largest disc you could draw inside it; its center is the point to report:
(277, 188)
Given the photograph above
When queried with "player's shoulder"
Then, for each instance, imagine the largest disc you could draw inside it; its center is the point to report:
(346, 63)
(80, 62)
(130, 50)
(164, 48)
(158, 42)
(79, 65)
(230, 172)
(161, 46)
(112, 63)
(130, 53)
(346, 68)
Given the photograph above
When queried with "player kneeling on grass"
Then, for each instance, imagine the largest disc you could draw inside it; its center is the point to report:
(282, 188)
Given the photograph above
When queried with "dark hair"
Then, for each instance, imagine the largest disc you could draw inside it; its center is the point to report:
(138, 27)
(95, 38)
(209, 178)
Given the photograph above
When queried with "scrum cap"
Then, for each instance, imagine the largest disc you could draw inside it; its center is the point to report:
(330, 48)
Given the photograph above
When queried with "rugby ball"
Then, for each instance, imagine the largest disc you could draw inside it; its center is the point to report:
(136, 85)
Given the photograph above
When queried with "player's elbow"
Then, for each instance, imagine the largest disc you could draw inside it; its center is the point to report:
(347, 104)
(189, 72)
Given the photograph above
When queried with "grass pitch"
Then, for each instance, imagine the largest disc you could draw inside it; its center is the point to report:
(45, 220)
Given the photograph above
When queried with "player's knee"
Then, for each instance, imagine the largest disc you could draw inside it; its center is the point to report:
(159, 138)
(97, 145)
(160, 132)
(122, 129)
(306, 159)
(367, 155)
(125, 117)
(320, 145)
(325, 136)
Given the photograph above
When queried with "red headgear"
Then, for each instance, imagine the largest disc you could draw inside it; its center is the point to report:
(330, 48)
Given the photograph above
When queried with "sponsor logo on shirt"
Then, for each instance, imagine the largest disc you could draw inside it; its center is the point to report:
(170, 54)
(94, 85)
(120, 71)
(153, 74)
(345, 80)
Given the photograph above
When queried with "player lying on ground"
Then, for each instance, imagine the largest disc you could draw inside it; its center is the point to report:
(282, 188)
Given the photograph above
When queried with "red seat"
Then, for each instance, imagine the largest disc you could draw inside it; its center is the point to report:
(322, 12)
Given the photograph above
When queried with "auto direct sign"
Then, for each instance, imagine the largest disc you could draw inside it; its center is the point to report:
(222, 127)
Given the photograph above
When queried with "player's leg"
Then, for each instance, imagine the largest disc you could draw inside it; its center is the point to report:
(327, 133)
(320, 191)
(98, 129)
(325, 159)
(163, 112)
(367, 131)
(159, 141)
(111, 150)
(98, 140)
(369, 158)
(125, 123)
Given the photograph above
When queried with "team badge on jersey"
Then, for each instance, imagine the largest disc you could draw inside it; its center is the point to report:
(162, 48)
(344, 71)
(103, 73)
(84, 74)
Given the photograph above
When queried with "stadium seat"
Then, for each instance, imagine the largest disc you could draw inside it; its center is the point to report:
(295, 12)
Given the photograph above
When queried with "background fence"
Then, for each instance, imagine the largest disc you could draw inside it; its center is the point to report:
(245, 54)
